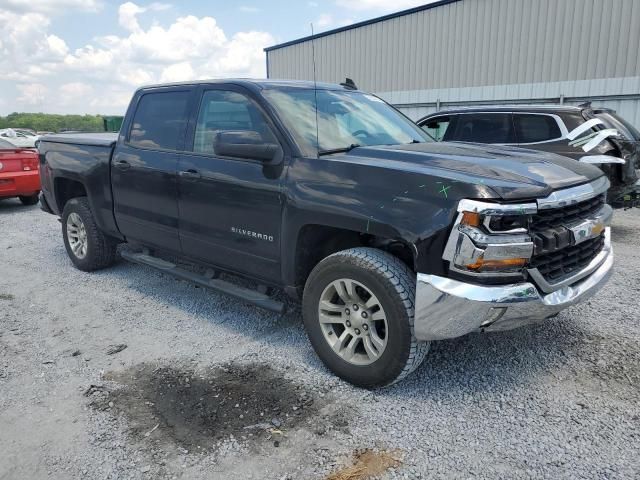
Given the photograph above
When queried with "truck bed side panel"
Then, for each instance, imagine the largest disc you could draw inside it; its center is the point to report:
(84, 163)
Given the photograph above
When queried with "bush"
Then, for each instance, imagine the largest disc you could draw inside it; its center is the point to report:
(53, 123)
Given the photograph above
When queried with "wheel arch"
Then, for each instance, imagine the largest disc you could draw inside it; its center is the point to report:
(65, 188)
(312, 242)
(68, 186)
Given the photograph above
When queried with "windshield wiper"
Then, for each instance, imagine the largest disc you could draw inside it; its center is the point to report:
(339, 150)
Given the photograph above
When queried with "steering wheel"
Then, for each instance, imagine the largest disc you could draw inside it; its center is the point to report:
(361, 132)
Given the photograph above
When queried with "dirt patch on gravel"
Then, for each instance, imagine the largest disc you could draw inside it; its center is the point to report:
(625, 234)
(199, 409)
(368, 464)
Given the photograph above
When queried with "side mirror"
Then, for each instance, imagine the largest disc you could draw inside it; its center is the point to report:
(246, 144)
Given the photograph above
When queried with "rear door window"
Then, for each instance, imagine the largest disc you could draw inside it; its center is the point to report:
(160, 120)
(437, 127)
(484, 128)
(531, 128)
(571, 120)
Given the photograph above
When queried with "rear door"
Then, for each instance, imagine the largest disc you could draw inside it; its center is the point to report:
(542, 131)
(230, 208)
(144, 168)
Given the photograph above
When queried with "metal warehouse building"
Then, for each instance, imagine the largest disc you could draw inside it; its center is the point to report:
(466, 52)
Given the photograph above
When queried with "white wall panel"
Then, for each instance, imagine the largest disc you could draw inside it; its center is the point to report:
(469, 49)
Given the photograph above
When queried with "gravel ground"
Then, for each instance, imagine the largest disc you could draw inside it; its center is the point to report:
(211, 388)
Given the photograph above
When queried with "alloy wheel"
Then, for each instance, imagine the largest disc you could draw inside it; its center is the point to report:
(77, 235)
(353, 321)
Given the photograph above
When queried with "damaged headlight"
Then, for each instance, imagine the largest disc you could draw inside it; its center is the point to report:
(490, 239)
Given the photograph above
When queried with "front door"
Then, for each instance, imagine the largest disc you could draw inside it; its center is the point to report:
(144, 170)
(230, 208)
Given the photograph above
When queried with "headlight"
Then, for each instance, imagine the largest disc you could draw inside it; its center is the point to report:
(508, 223)
(490, 239)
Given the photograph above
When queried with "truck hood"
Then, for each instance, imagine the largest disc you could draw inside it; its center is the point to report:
(513, 173)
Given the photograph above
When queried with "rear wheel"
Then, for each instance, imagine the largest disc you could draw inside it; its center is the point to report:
(29, 200)
(358, 312)
(88, 248)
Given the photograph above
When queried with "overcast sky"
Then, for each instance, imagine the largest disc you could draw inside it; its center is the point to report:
(87, 56)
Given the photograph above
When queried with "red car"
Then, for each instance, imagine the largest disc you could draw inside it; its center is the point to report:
(19, 174)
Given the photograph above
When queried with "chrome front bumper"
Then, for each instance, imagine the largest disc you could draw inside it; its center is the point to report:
(448, 308)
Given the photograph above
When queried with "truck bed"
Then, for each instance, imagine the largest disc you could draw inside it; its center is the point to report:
(107, 139)
(79, 164)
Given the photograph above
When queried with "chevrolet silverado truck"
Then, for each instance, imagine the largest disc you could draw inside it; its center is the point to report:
(325, 192)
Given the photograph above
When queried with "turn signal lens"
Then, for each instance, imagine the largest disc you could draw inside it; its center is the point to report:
(470, 218)
(597, 229)
(504, 264)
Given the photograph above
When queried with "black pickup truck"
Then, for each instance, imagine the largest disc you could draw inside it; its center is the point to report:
(388, 240)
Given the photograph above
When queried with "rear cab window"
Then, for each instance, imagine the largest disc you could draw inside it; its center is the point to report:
(484, 128)
(535, 128)
(160, 120)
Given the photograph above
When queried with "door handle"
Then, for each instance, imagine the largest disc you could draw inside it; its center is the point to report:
(191, 173)
(123, 165)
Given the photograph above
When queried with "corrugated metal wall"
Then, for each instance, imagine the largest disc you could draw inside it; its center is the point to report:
(629, 109)
(479, 43)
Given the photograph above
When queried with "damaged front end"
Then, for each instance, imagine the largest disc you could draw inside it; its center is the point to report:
(614, 146)
(625, 192)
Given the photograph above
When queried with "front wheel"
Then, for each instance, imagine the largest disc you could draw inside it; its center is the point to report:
(358, 309)
(88, 248)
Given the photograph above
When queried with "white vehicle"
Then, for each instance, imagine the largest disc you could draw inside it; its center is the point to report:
(19, 138)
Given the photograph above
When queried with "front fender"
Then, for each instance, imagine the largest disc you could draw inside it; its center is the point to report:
(416, 209)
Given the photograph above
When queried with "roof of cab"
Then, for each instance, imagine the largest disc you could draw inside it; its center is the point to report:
(256, 84)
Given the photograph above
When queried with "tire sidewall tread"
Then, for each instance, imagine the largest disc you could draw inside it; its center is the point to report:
(29, 199)
(394, 285)
(101, 250)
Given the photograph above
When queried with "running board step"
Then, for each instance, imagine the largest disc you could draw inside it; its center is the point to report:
(251, 296)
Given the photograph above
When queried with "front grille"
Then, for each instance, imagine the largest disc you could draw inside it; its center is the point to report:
(568, 260)
(557, 217)
(554, 254)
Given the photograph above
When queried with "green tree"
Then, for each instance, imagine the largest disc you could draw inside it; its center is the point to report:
(53, 123)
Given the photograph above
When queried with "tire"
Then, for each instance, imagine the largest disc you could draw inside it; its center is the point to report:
(99, 251)
(29, 200)
(392, 286)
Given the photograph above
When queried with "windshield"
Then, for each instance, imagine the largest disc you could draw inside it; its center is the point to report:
(4, 145)
(615, 121)
(345, 120)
